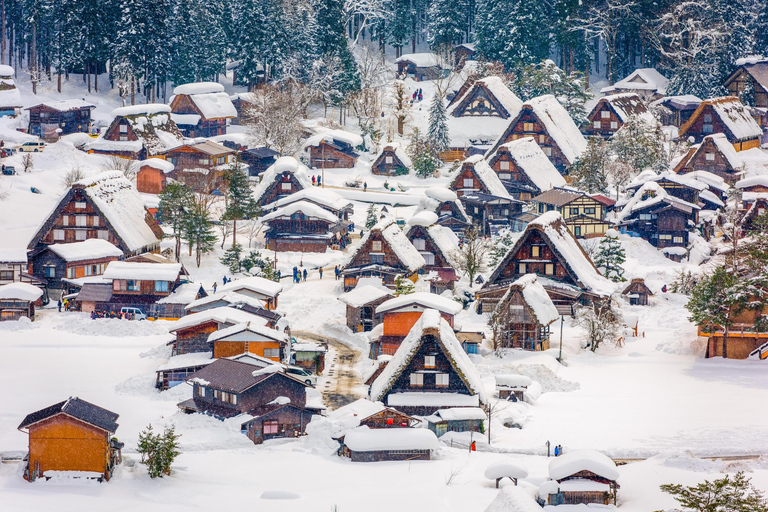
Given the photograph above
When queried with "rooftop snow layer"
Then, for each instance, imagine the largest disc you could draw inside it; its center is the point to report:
(423, 218)
(508, 99)
(421, 301)
(422, 60)
(506, 468)
(198, 88)
(647, 79)
(21, 291)
(531, 160)
(156, 163)
(283, 164)
(559, 125)
(487, 176)
(441, 194)
(512, 381)
(346, 137)
(737, 118)
(142, 271)
(183, 294)
(91, 249)
(461, 414)
(305, 207)
(253, 327)
(222, 315)
(228, 297)
(363, 439)
(571, 462)
(255, 284)
(146, 109)
(322, 196)
(362, 295)
(397, 241)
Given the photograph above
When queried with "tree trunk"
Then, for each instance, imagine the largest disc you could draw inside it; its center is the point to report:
(58, 84)
(96, 78)
(2, 31)
(178, 248)
(234, 232)
(133, 102)
(33, 57)
(725, 340)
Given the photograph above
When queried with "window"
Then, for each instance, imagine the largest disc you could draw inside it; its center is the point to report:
(677, 240)
(707, 118)
(420, 244)
(429, 361)
(376, 246)
(81, 235)
(605, 114)
(441, 380)
(549, 269)
(542, 139)
(58, 234)
(103, 234)
(504, 165)
(577, 231)
(528, 127)
(417, 380)
(204, 161)
(80, 205)
(707, 128)
(377, 258)
(547, 151)
(614, 125)
(65, 220)
(123, 138)
(574, 211)
(597, 125)
(132, 285)
(50, 271)
(469, 183)
(271, 352)
(6, 275)
(505, 176)
(95, 221)
(80, 220)
(535, 251)
(161, 286)
(388, 159)
(216, 394)
(123, 128)
(710, 157)
(220, 160)
(233, 399)
(665, 237)
(521, 268)
(589, 211)
(429, 258)
(285, 186)
(71, 273)
(201, 391)
(270, 427)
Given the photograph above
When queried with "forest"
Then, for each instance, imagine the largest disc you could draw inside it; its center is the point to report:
(146, 44)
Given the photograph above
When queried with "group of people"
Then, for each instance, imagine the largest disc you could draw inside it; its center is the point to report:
(112, 314)
(417, 95)
(298, 275)
(63, 303)
(317, 180)
(224, 280)
(341, 240)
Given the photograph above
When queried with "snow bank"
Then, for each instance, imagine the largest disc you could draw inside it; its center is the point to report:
(423, 299)
(506, 469)
(363, 439)
(513, 499)
(198, 88)
(146, 109)
(279, 495)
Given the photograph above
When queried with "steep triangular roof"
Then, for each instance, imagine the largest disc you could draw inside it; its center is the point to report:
(390, 233)
(270, 177)
(442, 238)
(505, 103)
(430, 323)
(732, 113)
(533, 163)
(625, 105)
(394, 149)
(535, 297)
(485, 175)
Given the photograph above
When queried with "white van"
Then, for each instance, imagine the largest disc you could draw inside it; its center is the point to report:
(31, 147)
(134, 313)
(297, 372)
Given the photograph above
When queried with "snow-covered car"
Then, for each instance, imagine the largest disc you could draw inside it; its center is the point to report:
(31, 147)
(300, 373)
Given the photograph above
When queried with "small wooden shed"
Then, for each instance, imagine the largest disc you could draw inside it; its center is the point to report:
(389, 444)
(637, 292)
(151, 178)
(361, 304)
(19, 300)
(392, 161)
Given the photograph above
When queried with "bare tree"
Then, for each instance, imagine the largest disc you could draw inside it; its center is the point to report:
(471, 257)
(73, 175)
(28, 162)
(272, 117)
(361, 13)
(400, 105)
(601, 321)
(124, 165)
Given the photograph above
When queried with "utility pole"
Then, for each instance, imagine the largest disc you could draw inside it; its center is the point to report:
(560, 357)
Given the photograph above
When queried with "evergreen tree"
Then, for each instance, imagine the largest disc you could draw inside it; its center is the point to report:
(332, 42)
(610, 257)
(172, 210)
(158, 451)
(639, 144)
(240, 203)
(546, 78)
(589, 172)
(514, 32)
(422, 155)
(438, 125)
(501, 245)
(198, 230)
(372, 218)
(727, 494)
(231, 258)
(403, 286)
(447, 23)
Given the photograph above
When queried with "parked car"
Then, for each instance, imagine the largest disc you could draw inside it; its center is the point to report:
(31, 147)
(5, 152)
(300, 373)
(9, 170)
(134, 313)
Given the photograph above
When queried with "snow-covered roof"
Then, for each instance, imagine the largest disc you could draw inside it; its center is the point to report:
(249, 326)
(573, 461)
(156, 163)
(283, 164)
(20, 291)
(422, 60)
(430, 321)
(356, 411)
(142, 271)
(713, 181)
(397, 241)
(531, 160)
(399, 151)
(486, 175)
(10, 97)
(496, 87)
(461, 413)
(229, 297)
(446, 241)
(305, 207)
(515, 499)
(198, 88)
(183, 294)
(186, 361)
(322, 196)
(143, 109)
(423, 218)
(536, 297)
(629, 104)
(441, 194)
(420, 301)
(656, 195)
(426, 399)
(13, 254)
(365, 294)
(363, 439)
(255, 284)
(209, 98)
(559, 125)
(646, 79)
(91, 249)
(122, 205)
(6, 70)
(346, 137)
(510, 380)
(222, 315)
(686, 180)
(760, 180)
(65, 105)
(506, 468)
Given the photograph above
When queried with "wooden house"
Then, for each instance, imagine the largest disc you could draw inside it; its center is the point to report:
(716, 155)
(383, 252)
(178, 368)
(257, 288)
(388, 444)
(647, 83)
(137, 132)
(362, 302)
(192, 331)
(302, 226)
(429, 371)
(201, 109)
(400, 314)
(486, 201)
(462, 53)
(363, 412)
(749, 81)
(285, 177)
(746, 337)
(104, 207)
(457, 419)
(10, 97)
(200, 165)
(259, 159)
(658, 216)
(524, 315)
(580, 477)
(322, 197)
(684, 187)
(243, 102)
(478, 116)
(250, 337)
(612, 112)
(437, 244)
(676, 110)
(544, 119)
(583, 214)
(52, 119)
(445, 203)
(271, 402)
(19, 300)
(512, 387)
(637, 292)
(725, 115)
(548, 249)
(419, 66)
(152, 175)
(173, 306)
(392, 161)
(524, 169)
(333, 149)
(235, 300)
(73, 435)
(66, 265)
(13, 264)
(130, 284)
(309, 355)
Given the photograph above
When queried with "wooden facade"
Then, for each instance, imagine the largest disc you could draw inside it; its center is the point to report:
(184, 105)
(285, 184)
(363, 317)
(151, 180)
(583, 214)
(711, 157)
(637, 292)
(752, 78)
(257, 342)
(388, 163)
(51, 120)
(53, 269)
(417, 69)
(259, 159)
(611, 112)
(301, 233)
(521, 329)
(276, 421)
(424, 242)
(200, 165)
(332, 154)
(588, 488)
(709, 118)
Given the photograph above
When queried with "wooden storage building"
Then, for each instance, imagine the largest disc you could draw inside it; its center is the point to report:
(457, 419)
(726, 115)
(580, 477)
(749, 81)
(285, 177)
(52, 119)
(419, 66)
(647, 83)
(259, 159)
(333, 149)
(302, 226)
(512, 387)
(201, 109)
(73, 435)
(716, 155)
(192, 331)
(676, 110)
(200, 165)
(524, 314)
(392, 161)
(637, 292)
(462, 53)
(249, 337)
(364, 444)
(152, 175)
(240, 301)
(257, 288)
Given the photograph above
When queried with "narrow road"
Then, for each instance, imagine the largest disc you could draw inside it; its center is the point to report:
(339, 381)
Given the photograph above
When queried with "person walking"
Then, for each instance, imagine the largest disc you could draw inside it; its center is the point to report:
(337, 272)
(59, 305)
(313, 180)
(215, 285)
(365, 186)
(319, 180)
(305, 275)
(321, 272)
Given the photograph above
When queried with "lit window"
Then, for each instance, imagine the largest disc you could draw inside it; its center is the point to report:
(535, 251)
(665, 237)
(429, 361)
(521, 268)
(417, 380)
(270, 427)
(201, 391)
(677, 240)
(549, 269)
(542, 139)
(441, 380)
(376, 246)
(528, 127)
(547, 151)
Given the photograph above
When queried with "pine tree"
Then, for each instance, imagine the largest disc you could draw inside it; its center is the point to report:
(639, 144)
(231, 258)
(372, 218)
(546, 78)
(240, 203)
(422, 155)
(727, 494)
(589, 172)
(439, 140)
(610, 257)
(174, 201)
(332, 42)
(198, 230)
(501, 245)
(158, 451)
(447, 23)
(515, 33)
(403, 286)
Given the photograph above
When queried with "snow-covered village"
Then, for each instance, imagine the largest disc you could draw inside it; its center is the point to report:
(366, 255)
